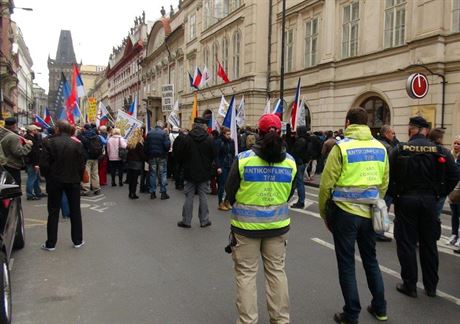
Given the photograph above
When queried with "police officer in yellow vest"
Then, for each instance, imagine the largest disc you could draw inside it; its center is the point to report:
(356, 174)
(259, 186)
(421, 173)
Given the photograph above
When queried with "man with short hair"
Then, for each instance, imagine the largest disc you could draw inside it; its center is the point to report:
(356, 175)
(156, 148)
(93, 147)
(62, 162)
(196, 152)
(33, 190)
(15, 148)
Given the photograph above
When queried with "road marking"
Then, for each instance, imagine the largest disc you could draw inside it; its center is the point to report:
(392, 273)
(93, 199)
(99, 209)
(10, 264)
(31, 222)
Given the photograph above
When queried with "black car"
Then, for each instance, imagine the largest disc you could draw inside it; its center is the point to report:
(11, 237)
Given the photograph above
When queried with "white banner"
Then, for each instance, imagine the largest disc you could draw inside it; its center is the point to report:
(127, 124)
(167, 97)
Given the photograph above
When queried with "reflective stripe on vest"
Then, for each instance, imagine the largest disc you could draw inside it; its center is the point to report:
(264, 190)
(363, 168)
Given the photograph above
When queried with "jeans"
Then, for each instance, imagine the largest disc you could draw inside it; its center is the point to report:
(33, 182)
(455, 208)
(65, 209)
(299, 183)
(439, 206)
(158, 167)
(221, 179)
(348, 229)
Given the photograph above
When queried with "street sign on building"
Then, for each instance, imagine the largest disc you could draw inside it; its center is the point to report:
(167, 97)
(417, 86)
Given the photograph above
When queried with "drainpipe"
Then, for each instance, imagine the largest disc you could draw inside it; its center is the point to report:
(269, 47)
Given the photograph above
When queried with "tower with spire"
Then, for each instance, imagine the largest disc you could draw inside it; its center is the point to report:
(64, 61)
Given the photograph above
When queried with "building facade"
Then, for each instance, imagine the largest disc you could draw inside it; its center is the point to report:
(63, 63)
(345, 52)
(40, 100)
(25, 75)
(8, 62)
(123, 72)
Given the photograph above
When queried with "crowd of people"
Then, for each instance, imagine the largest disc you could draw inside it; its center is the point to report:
(255, 178)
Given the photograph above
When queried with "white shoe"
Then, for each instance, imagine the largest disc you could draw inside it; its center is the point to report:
(452, 240)
(77, 246)
(457, 244)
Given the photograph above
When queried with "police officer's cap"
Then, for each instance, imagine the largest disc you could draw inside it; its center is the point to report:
(418, 121)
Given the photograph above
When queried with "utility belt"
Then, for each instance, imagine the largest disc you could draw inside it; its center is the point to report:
(357, 195)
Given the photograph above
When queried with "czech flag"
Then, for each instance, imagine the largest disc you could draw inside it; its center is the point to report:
(47, 116)
(295, 106)
(79, 82)
(197, 78)
(41, 122)
(221, 73)
(228, 117)
(191, 81)
(132, 111)
(278, 109)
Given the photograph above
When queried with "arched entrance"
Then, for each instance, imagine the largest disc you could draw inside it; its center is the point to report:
(378, 113)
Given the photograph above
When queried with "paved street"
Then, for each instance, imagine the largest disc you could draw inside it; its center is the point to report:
(139, 267)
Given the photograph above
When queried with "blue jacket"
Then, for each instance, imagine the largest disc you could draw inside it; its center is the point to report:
(157, 144)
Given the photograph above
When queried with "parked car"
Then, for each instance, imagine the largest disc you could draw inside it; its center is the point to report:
(11, 237)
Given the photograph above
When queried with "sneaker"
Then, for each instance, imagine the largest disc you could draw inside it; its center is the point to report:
(153, 195)
(457, 243)
(33, 198)
(77, 246)
(97, 192)
(378, 317)
(44, 247)
(452, 240)
(298, 205)
(164, 196)
(183, 225)
(41, 195)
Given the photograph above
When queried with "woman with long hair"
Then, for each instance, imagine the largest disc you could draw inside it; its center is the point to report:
(115, 142)
(136, 159)
(259, 187)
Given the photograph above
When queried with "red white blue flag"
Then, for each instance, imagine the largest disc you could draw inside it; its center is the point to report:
(295, 106)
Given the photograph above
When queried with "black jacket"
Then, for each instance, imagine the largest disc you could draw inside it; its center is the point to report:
(196, 153)
(62, 160)
(34, 155)
(422, 173)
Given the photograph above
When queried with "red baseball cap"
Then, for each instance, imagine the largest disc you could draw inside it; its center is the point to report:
(269, 121)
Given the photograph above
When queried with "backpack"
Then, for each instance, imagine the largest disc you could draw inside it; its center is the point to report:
(94, 147)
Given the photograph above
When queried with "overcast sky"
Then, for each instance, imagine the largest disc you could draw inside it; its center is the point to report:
(96, 26)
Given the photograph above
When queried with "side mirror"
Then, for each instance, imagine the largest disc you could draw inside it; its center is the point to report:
(8, 191)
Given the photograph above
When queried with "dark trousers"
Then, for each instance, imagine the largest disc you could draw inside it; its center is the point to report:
(15, 173)
(114, 167)
(347, 230)
(416, 221)
(72, 191)
(178, 175)
(133, 176)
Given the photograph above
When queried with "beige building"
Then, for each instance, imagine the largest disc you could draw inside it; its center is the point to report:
(346, 53)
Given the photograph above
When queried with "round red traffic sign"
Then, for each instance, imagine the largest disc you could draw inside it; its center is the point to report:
(417, 86)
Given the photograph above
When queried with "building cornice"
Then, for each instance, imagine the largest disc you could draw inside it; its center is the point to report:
(299, 7)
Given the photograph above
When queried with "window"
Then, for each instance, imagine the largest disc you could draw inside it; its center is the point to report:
(456, 16)
(207, 14)
(181, 76)
(236, 54)
(192, 25)
(311, 42)
(378, 113)
(235, 4)
(206, 56)
(215, 51)
(395, 22)
(225, 53)
(350, 30)
(289, 50)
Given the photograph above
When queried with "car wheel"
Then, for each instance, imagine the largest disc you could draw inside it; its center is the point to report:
(19, 239)
(5, 291)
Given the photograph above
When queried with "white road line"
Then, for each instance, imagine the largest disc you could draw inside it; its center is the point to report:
(10, 264)
(392, 273)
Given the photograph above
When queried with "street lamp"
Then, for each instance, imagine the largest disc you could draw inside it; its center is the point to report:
(22, 8)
